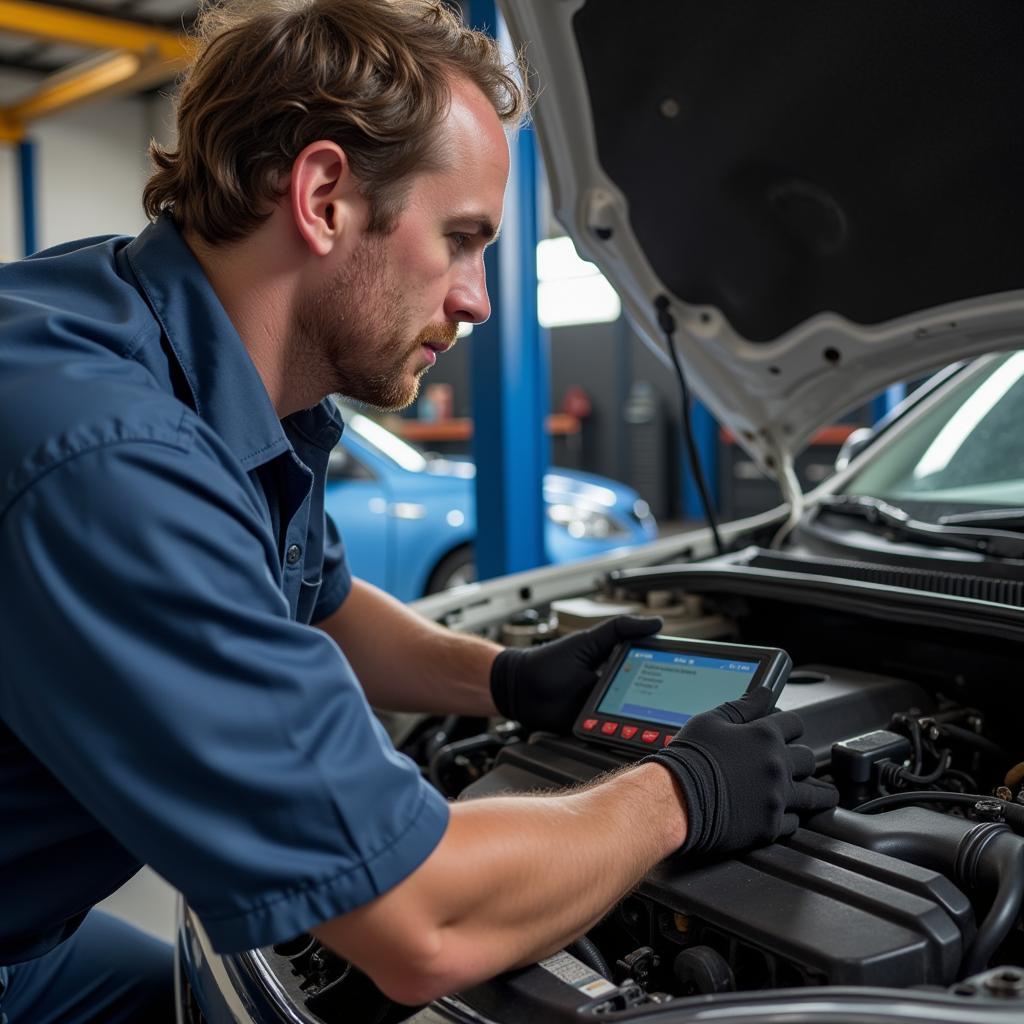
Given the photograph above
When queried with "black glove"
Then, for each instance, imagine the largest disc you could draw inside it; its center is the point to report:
(544, 687)
(743, 779)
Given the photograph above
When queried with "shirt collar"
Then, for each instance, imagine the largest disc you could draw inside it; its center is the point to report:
(226, 388)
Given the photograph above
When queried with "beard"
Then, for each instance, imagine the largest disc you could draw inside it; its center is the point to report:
(353, 335)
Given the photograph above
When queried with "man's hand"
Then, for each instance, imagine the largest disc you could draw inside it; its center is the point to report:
(544, 687)
(743, 779)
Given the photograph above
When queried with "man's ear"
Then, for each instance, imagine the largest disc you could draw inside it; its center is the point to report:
(325, 200)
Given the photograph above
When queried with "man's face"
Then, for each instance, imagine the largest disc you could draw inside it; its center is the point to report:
(384, 316)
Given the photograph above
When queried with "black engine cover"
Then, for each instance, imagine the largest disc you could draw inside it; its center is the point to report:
(838, 914)
(810, 910)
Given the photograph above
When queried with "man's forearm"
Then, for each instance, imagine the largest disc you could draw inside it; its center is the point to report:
(407, 663)
(513, 880)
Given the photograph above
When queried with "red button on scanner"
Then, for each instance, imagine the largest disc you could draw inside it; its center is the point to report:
(667, 739)
(608, 728)
(628, 732)
(590, 724)
(650, 735)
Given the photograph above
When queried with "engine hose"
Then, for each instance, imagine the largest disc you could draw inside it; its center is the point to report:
(970, 853)
(980, 743)
(915, 736)
(441, 736)
(585, 950)
(913, 797)
(447, 754)
(1002, 915)
(895, 774)
(1011, 813)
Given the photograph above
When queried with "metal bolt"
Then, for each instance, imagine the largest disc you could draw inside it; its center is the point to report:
(1007, 981)
(989, 810)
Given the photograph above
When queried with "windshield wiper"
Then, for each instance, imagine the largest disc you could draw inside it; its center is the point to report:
(898, 524)
(1011, 519)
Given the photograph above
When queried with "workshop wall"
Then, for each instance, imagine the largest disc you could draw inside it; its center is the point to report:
(606, 360)
(91, 165)
(10, 222)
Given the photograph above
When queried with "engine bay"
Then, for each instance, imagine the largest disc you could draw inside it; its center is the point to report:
(915, 882)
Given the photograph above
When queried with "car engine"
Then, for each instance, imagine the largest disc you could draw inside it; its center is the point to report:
(915, 882)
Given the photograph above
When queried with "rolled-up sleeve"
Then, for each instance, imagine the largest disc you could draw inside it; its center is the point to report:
(150, 663)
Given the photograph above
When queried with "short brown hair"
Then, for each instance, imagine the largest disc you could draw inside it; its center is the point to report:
(269, 77)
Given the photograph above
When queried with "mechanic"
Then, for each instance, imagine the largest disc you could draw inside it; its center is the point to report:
(165, 430)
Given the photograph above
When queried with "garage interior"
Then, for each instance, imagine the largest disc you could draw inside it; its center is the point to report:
(558, 376)
(84, 86)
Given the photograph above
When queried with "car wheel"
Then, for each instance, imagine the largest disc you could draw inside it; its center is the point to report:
(456, 568)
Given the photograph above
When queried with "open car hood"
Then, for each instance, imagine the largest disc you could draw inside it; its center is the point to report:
(831, 195)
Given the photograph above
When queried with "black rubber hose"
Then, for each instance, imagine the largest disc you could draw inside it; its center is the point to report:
(585, 950)
(926, 838)
(1012, 813)
(915, 737)
(1002, 915)
(924, 780)
(441, 737)
(916, 796)
(668, 325)
(981, 743)
(444, 757)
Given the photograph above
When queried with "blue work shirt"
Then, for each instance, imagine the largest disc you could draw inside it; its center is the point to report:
(164, 547)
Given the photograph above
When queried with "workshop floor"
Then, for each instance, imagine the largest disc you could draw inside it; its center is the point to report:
(147, 902)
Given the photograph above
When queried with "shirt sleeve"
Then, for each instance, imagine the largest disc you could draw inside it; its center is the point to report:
(337, 577)
(149, 661)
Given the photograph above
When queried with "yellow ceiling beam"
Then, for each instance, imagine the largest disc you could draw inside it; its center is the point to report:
(142, 57)
(9, 130)
(104, 76)
(93, 31)
(65, 90)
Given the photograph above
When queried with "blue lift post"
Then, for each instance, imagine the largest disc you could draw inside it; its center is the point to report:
(705, 439)
(509, 374)
(27, 177)
(883, 404)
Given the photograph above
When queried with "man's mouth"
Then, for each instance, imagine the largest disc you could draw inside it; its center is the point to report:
(432, 349)
(436, 339)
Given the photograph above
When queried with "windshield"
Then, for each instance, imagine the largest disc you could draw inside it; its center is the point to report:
(966, 453)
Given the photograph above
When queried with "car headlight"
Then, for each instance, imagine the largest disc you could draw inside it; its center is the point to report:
(641, 511)
(580, 522)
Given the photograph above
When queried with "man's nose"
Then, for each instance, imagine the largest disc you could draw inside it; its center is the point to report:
(467, 300)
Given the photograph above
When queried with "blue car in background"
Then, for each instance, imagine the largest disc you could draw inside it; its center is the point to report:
(409, 518)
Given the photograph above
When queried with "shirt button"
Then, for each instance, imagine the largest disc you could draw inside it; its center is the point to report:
(293, 554)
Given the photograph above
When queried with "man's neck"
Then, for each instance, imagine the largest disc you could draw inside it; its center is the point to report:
(257, 288)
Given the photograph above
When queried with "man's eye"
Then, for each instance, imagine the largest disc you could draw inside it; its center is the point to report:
(460, 239)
